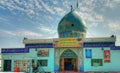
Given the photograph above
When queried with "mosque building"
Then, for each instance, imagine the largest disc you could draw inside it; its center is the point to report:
(72, 51)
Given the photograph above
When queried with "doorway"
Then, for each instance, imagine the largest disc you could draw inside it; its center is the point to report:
(68, 63)
(7, 65)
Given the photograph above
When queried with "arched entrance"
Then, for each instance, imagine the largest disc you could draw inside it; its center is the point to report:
(68, 61)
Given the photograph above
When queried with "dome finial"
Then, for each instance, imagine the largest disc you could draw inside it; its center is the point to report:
(72, 8)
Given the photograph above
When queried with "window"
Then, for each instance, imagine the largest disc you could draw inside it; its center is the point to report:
(65, 34)
(33, 61)
(76, 34)
(72, 25)
(7, 65)
(42, 62)
(22, 64)
(81, 35)
(71, 35)
(88, 53)
(96, 62)
(60, 35)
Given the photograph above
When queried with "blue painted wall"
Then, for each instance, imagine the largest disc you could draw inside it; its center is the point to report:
(50, 59)
(19, 56)
(29, 56)
(98, 53)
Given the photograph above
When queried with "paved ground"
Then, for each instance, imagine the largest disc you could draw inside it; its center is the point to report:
(77, 72)
(86, 72)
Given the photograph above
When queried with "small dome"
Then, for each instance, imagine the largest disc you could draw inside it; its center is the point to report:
(72, 22)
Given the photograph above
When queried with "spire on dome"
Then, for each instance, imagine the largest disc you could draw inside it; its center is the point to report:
(72, 8)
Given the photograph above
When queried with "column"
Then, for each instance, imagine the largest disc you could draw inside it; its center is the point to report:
(62, 64)
(30, 66)
(76, 64)
(12, 65)
(2, 64)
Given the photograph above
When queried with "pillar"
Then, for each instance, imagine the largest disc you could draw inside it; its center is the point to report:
(62, 64)
(30, 66)
(76, 65)
(2, 64)
(12, 65)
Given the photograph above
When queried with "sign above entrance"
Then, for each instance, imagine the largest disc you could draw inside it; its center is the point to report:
(68, 54)
(68, 42)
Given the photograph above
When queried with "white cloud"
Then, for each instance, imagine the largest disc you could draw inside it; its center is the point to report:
(19, 2)
(92, 17)
(118, 40)
(7, 32)
(30, 8)
(93, 24)
(11, 5)
(112, 3)
(48, 8)
(48, 32)
(87, 11)
(55, 2)
(47, 29)
(37, 4)
(3, 19)
(53, 9)
(59, 11)
(29, 33)
(20, 33)
(2, 7)
(66, 3)
(114, 26)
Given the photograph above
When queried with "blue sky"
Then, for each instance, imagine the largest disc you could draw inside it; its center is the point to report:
(38, 19)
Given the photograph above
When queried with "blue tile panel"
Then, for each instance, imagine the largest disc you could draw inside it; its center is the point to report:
(14, 50)
(26, 49)
(56, 68)
(115, 48)
(81, 68)
(50, 45)
(99, 44)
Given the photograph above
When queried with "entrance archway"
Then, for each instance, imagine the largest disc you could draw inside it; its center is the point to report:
(68, 61)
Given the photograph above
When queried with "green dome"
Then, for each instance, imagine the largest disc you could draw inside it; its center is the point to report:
(72, 22)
